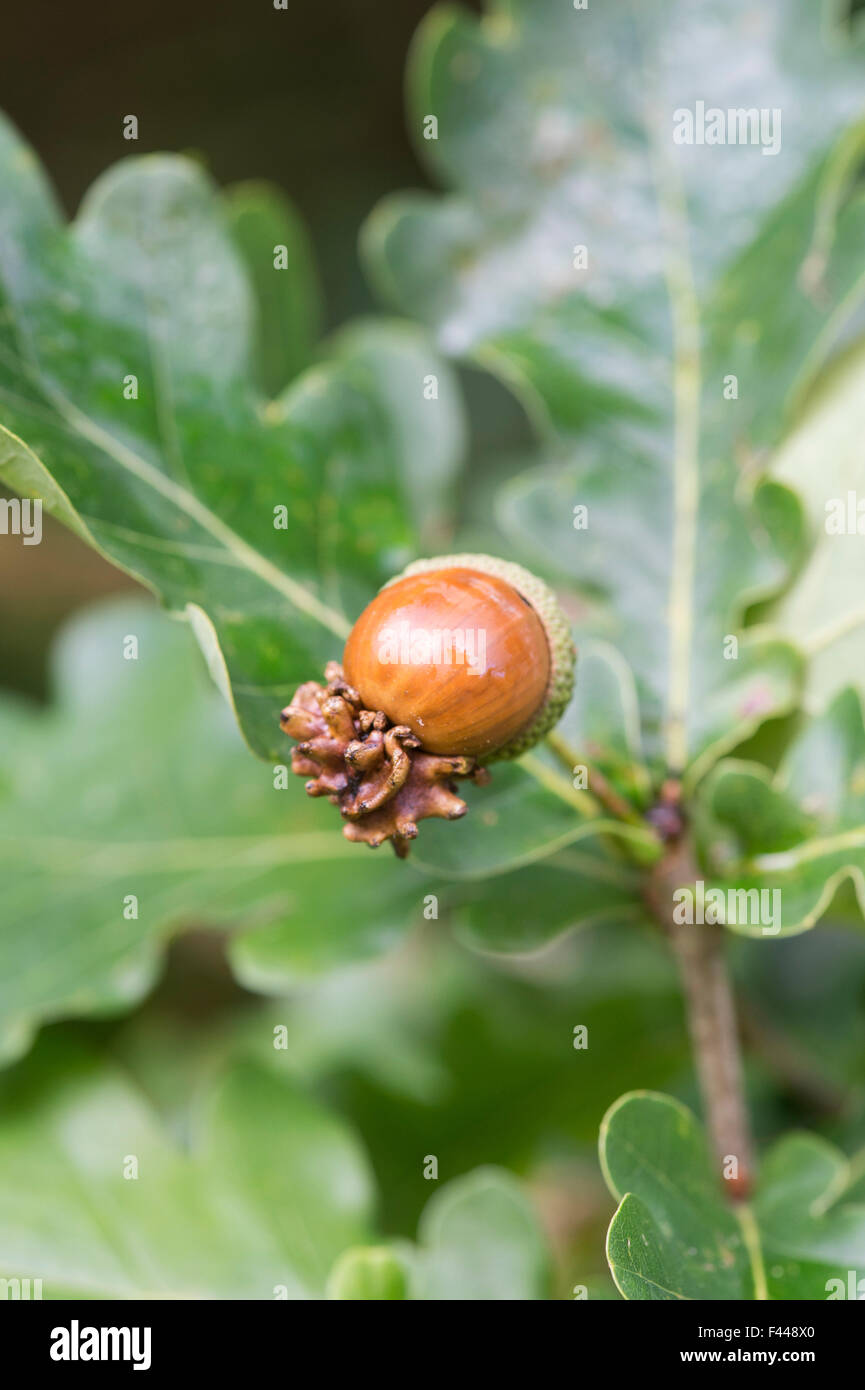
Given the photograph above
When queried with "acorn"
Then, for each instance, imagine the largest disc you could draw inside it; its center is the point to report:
(457, 662)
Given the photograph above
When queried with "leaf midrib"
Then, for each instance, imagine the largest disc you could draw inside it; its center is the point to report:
(191, 506)
(187, 502)
(686, 439)
(817, 848)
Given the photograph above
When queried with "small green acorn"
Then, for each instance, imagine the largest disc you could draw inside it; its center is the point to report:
(457, 662)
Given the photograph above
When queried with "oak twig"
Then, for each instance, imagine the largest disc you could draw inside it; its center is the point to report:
(700, 954)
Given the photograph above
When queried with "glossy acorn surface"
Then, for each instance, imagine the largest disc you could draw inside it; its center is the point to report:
(457, 654)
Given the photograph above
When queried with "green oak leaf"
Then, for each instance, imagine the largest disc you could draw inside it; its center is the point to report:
(525, 911)
(273, 1200)
(132, 809)
(812, 1235)
(703, 263)
(379, 1020)
(428, 426)
(479, 1239)
(602, 722)
(431, 1040)
(270, 236)
(824, 611)
(674, 1236)
(798, 836)
(274, 1189)
(130, 402)
(359, 454)
(526, 813)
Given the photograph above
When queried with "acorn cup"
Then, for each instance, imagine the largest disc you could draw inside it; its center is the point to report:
(457, 662)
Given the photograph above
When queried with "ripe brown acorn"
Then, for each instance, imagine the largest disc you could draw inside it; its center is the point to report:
(456, 654)
(458, 661)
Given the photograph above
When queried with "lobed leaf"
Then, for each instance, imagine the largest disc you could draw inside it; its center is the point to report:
(675, 1237)
(705, 264)
(267, 231)
(800, 836)
(128, 379)
(274, 1201)
(133, 809)
(479, 1240)
(824, 610)
(274, 1189)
